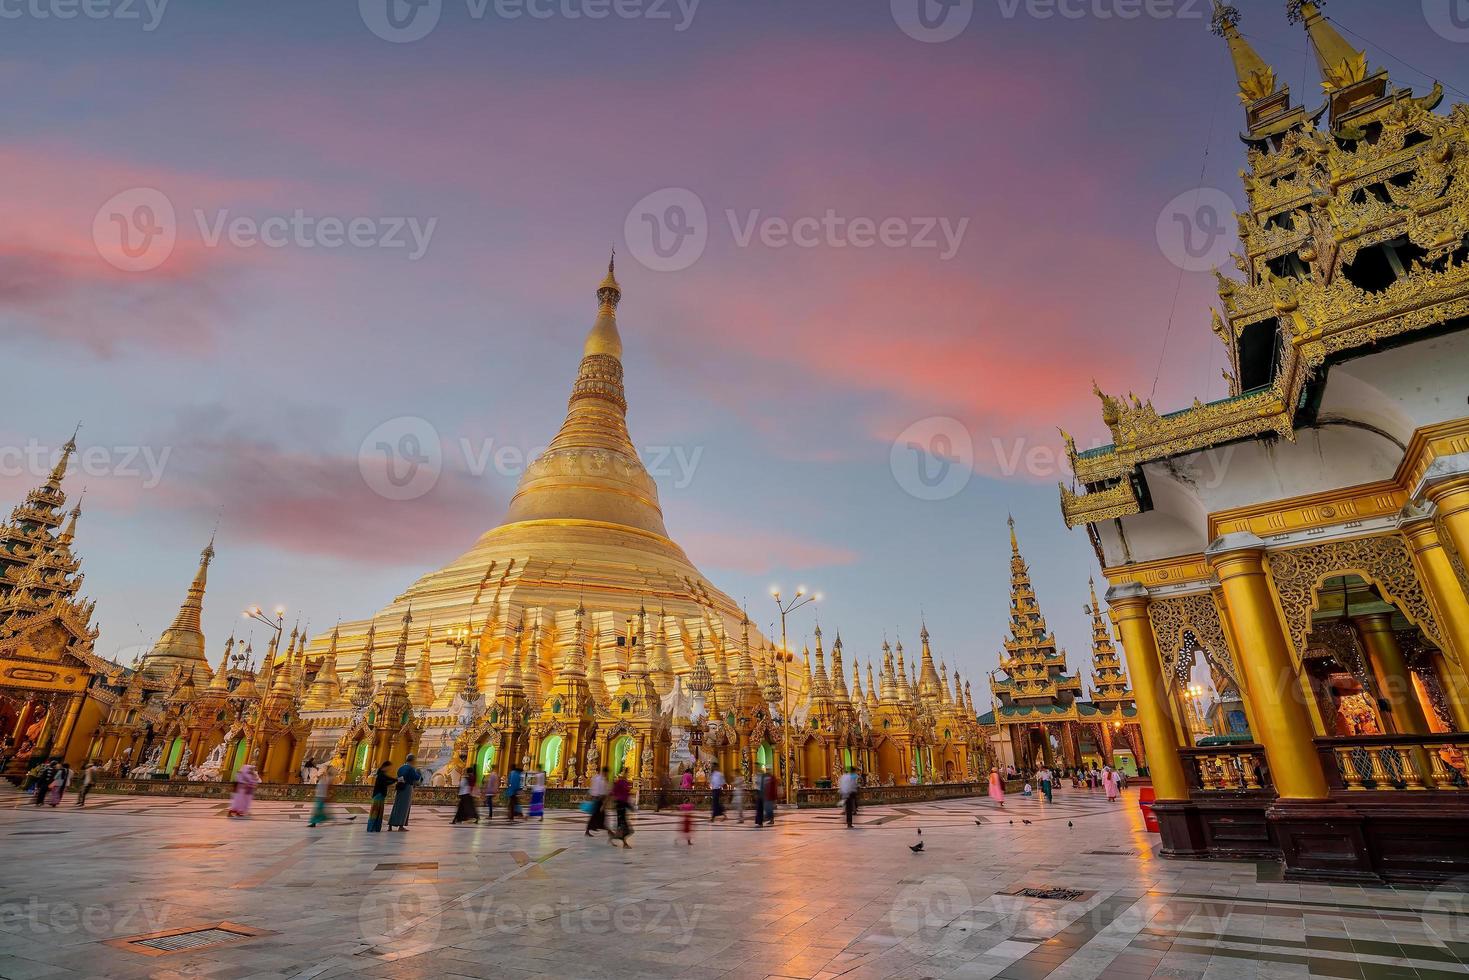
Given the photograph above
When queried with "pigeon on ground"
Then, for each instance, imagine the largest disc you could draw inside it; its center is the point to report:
(1026, 822)
(978, 822)
(1012, 823)
(916, 848)
(1070, 824)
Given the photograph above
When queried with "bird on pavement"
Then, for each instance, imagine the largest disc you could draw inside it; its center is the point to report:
(1070, 824)
(1026, 822)
(916, 848)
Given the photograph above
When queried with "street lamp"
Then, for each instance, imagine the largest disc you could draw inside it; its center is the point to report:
(784, 655)
(278, 624)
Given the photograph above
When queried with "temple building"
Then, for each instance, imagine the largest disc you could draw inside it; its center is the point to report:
(47, 663)
(1039, 712)
(1320, 575)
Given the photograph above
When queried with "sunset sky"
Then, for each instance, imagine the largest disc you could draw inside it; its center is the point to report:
(239, 380)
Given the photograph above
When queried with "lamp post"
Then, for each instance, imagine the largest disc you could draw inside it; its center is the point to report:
(278, 624)
(1196, 712)
(785, 656)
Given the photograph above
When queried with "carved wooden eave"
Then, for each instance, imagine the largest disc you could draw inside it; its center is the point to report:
(1313, 179)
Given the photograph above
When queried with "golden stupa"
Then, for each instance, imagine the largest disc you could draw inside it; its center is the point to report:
(584, 527)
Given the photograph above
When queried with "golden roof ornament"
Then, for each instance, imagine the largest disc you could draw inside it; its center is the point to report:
(1256, 78)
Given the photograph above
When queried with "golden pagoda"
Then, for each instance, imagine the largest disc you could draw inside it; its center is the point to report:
(585, 530)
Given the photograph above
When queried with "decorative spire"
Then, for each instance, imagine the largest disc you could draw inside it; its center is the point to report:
(1340, 64)
(422, 692)
(930, 691)
(326, 687)
(397, 677)
(360, 691)
(838, 678)
(661, 665)
(596, 679)
(531, 678)
(182, 644)
(820, 684)
(221, 681)
(872, 690)
(701, 681)
(591, 471)
(1256, 78)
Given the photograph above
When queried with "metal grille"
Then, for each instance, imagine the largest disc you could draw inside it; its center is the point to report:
(1054, 894)
(190, 940)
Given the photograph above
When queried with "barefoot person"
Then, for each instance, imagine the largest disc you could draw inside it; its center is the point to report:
(997, 787)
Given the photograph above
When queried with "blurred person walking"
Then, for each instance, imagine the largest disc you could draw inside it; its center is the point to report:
(381, 780)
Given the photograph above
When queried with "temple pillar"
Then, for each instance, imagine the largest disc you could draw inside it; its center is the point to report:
(1440, 583)
(1446, 485)
(1271, 681)
(1129, 606)
(1394, 681)
(68, 726)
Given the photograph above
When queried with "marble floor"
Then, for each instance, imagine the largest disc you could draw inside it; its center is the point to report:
(806, 898)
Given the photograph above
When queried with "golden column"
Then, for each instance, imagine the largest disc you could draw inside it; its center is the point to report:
(1271, 682)
(1129, 606)
(1394, 680)
(1436, 575)
(1446, 486)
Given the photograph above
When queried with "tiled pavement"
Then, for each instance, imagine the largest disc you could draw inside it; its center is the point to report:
(807, 898)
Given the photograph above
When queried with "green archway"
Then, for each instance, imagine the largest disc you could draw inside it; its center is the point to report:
(239, 759)
(359, 762)
(551, 753)
(486, 759)
(620, 749)
(174, 752)
(846, 758)
(765, 756)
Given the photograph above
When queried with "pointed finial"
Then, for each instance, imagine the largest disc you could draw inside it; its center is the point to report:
(1014, 544)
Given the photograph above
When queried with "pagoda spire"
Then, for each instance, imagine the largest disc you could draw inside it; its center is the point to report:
(591, 471)
(838, 677)
(530, 679)
(857, 698)
(930, 691)
(220, 681)
(397, 678)
(1340, 64)
(182, 644)
(596, 678)
(820, 684)
(872, 696)
(422, 691)
(1256, 79)
(326, 687)
(360, 690)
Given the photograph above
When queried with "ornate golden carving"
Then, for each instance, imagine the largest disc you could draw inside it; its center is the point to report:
(1384, 561)
(1322, 200)
(1196, 615)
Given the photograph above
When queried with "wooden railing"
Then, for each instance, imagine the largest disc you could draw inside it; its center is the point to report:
(1396, 762)
(1237, 768)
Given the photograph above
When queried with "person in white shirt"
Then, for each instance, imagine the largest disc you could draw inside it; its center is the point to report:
(847, 786)
(716, 794)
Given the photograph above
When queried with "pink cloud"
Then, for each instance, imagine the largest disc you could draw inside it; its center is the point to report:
(313, 502)
(757, 552)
